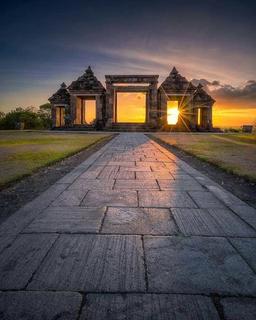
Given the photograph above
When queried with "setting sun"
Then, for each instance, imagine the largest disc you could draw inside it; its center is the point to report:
(172, 112)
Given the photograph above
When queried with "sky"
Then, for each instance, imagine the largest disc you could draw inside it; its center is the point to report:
(44, 43)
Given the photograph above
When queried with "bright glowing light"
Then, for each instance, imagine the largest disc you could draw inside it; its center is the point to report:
(131, 107)
(172, 112)
(90, 111)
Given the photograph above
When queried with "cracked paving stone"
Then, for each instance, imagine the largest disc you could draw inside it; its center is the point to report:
(93, 263)
(139, 221)
(68, 220)
(115, 198)
(148, 306)
(39, 305)
(19, 261)
(165, 199)
(200, 265)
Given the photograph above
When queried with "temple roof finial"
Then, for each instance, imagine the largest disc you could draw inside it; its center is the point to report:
(89, 70)
(174, 71)
(63, 85)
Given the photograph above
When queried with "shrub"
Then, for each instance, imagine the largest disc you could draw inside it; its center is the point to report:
(26, 118)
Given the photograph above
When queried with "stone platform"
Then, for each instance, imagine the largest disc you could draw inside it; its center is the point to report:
(131, 233)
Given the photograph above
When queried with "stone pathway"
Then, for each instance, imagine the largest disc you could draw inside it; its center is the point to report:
(131, 233)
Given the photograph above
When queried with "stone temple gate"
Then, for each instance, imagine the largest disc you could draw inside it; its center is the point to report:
(132, 102)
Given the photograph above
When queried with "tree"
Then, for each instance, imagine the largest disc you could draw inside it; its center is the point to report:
(45, 115)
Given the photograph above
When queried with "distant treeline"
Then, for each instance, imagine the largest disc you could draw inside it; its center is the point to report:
(27, 118)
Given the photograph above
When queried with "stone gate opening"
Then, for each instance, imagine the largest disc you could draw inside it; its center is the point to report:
(131, 107)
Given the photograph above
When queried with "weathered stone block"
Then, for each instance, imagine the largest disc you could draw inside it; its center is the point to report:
(196, 265)
(39, 305)
(165, 199)
(139, 221)
(148, 306)
(114, 198)
(68, 220)
(93, 263)
(19, 261)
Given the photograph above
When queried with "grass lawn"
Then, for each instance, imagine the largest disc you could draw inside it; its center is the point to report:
(234, 153)
(22, 152)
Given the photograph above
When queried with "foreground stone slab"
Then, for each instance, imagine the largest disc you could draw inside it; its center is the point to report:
(19, 261)
(39, 305)
(93, 263)
(196, 265)
(68, 220)
(211, 222)
(148, 306)
(206, 199)
(113, 198)
(165, 199)
(247, 249)
(239, 308)
(139, 221)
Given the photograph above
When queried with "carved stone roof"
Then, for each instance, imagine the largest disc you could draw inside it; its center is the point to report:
(175, 83)
(202, 96)
(87, 83)
(61, 96)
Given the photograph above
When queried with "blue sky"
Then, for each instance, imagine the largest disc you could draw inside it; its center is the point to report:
(44, 43)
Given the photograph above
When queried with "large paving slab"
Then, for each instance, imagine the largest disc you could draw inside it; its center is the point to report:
(93, 263)
(239, 308)
(136, 184)
(165, 199)
(180, 185)
(95, 198)
(206, 199)
(19, 261)
(39, 305)
(196, 265)
(139, 221)
(68, 220)
(211, 222)
(148, 306)
(247, 249)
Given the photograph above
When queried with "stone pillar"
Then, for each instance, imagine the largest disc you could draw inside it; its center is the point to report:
(153, 110)
(73, 101)
(98, 108)
(210, 118)
(53, 113)
(109, 104)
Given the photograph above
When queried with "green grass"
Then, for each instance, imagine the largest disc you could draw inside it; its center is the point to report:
(235, 153)
(23, 152)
